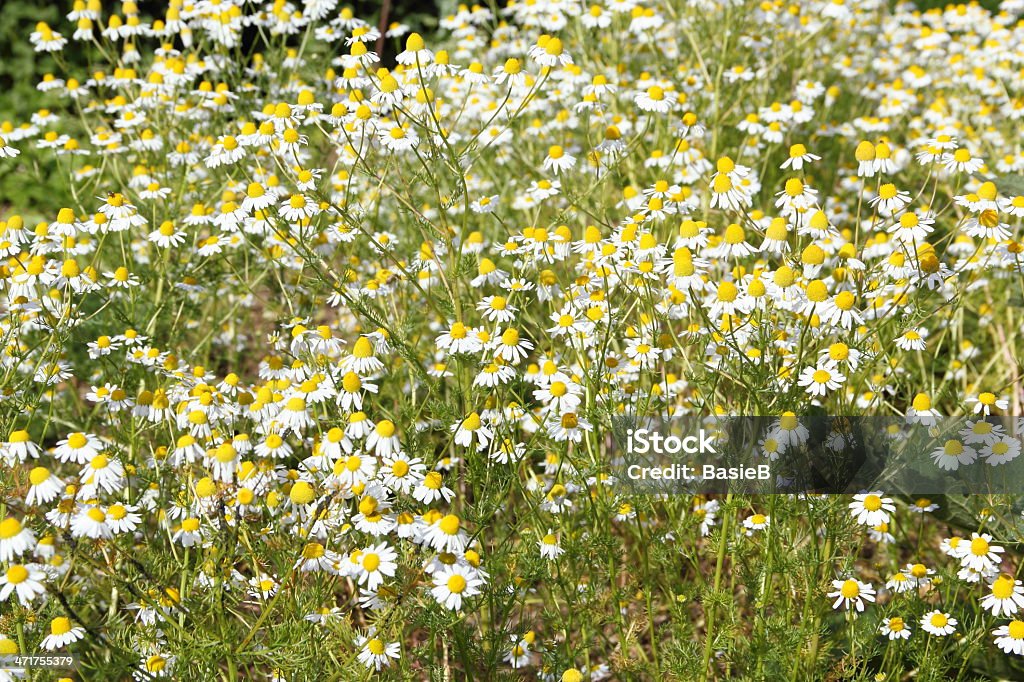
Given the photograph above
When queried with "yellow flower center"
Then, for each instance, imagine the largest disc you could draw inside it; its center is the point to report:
(363, 348)
(456, 584)
(313, 550)
(60, 626)
(979, 547)
(17, 574)
(1002, 588)
(39, 475)
(449, 525)
(845, 300)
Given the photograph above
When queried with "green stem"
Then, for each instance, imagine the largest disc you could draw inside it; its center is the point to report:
(723, 542)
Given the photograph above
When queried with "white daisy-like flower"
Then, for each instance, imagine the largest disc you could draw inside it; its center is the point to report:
(871, 509)
(1005, 597)
(375, 563)
(383, 440)
(25, 582)
(454, 584)
(15, 539)
(549, 546)
(938, 623)
(889, 199)
(895, 627)
(980, 554)
(821, 379)
(375, 652)
(1002, 450)
(44, 486)
(851, 594)
(62, 633)
(1010, 637)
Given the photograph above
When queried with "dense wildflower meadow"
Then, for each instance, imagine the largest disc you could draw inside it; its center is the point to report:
(314, 374)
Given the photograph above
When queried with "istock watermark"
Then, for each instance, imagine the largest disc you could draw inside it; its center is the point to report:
(644, 441)
(818, 454)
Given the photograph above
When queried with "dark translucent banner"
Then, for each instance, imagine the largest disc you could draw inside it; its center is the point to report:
(820, 454)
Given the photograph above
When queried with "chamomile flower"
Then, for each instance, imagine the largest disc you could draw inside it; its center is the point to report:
(103, 472)
(44, 487)
(899, 583)
(821, 379)
(1005, 597)
(62, 634)
(375, 652)
(653, 99)
(78, 448)
(27, 583)
(851, 594)
(19, 447)
(375, 563)
(756, 522)
(798, 156)
(918, 575)
(557, 160)
(431, 488)
(15, 539)
(7, 151)
(912, 340)
(1010, 638)
(889, 199)
(1000, 451)
(984, 402)
(455, 584)
(510, 72)
(446, 534)
(415, 52)
(938, 623)
(382, 439)
(549, 546)
(871, 509)
(894, 628)
(962, 161)
(980, 554)
(459, 339)
(953, 454)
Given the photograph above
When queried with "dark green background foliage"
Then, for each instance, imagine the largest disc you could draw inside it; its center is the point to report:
(20, 67)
